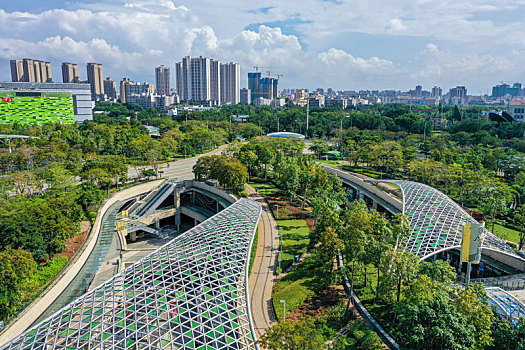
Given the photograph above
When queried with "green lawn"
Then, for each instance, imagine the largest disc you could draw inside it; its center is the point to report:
(253, 251)
(264, 189)
(299, 285)
(511, 235)
(296, 239)
(332, 163)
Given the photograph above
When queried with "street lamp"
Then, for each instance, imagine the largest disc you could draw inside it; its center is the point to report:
(341, 133)
(284, 311)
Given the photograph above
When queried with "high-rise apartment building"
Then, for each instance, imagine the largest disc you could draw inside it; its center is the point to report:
(129, 89)
(215, 82)
(95, 78)
(231, 83)
(17, 70)
(418, 91)
(29, 70)
(246, 96)
(162, 80)
(267, 87)
(70, 73)
(457, 95)
(110, 88)
(253, 85)
(201, 79)
(437, 92)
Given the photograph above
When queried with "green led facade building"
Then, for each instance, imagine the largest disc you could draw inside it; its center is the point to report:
(30, 103)
(36, 107)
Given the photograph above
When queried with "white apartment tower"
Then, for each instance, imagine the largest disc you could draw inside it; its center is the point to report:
(204, 79)
(162, 80)
(231, 83)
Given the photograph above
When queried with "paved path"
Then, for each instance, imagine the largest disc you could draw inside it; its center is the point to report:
(262, 278)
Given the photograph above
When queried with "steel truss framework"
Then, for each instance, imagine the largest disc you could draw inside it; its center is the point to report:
(189, 294)
(437, 221)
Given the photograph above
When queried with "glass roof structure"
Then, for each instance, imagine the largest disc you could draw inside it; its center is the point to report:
(437, 221)
(505, 304)
(189, 294)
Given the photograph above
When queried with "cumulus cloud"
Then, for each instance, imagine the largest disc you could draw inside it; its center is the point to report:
(444, 41)
(341, 59)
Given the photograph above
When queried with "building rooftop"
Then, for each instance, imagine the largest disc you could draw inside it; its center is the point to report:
(284, 134)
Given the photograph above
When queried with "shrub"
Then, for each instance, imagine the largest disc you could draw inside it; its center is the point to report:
(366, 338)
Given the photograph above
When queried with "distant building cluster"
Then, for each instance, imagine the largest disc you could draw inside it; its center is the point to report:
(208, 82)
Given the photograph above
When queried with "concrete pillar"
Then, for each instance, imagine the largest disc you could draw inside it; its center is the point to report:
(374, 205)
(195, 222)
(157, 224)
(133, 236)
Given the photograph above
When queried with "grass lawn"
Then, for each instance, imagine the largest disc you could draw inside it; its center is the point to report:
(264, 189)
(299, 285)
(253, 251)
(296, 233)
(511, 235)
(332, 163)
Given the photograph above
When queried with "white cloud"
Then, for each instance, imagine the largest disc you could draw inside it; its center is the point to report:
(443, 42)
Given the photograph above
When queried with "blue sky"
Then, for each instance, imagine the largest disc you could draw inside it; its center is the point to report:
(343, 44)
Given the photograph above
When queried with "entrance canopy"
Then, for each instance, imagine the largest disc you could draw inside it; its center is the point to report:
(437, 221)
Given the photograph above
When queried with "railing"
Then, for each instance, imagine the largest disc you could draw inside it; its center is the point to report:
(369, 319)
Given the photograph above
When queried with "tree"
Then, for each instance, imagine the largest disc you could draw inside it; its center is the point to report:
(289, 335)
(519, 217)
(228, 171)
(399, 269)
(319, 147)
(16, 266)
(497, 197)
(472, 304)
(507, 336)
(433, 325)
(439, 271)
(289, 179)
(331, 244)
(374, 253)
(233, 174)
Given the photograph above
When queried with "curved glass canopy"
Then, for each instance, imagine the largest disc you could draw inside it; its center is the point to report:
(437, 221)
(189, 294)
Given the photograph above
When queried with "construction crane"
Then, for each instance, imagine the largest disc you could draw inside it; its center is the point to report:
(257, 68)
(276, 74)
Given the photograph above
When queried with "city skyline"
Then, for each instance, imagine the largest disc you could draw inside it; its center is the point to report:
(372, 46)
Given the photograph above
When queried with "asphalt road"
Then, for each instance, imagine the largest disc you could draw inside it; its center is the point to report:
(180, 170)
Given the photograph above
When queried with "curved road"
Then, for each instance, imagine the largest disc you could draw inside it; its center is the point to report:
(181, 169)
(262, 278)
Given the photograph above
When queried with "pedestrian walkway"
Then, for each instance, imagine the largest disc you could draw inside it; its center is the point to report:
(262, 278)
